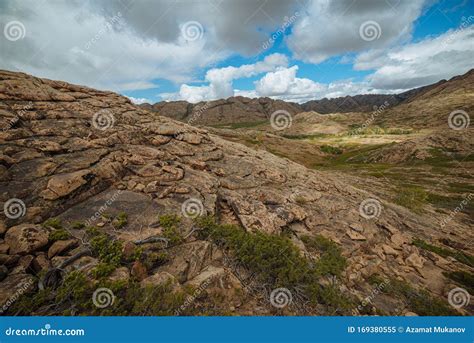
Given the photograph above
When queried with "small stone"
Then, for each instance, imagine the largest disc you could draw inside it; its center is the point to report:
(410, 314)
(41, 263)
(198, 165)
(388, 250)
(60, 247)
(128, 250)
(356, 227)
(399, 239)
(415, 260)
(120, 274)
(355, 236)
(139, 187)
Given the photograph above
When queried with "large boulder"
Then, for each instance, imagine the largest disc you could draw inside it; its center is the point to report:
(26, 238)
(63, 184)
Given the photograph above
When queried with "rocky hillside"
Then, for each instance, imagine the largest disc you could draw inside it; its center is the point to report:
(432, 106)
(110, 209)
(234, 110)
(356, 103)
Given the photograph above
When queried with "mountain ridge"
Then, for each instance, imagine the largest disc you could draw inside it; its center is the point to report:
(253, 110)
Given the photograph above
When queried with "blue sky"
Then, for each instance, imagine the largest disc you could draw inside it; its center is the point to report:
(174, 50)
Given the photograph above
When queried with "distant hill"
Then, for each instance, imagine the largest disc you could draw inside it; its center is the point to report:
(224, 111)
(242, 110)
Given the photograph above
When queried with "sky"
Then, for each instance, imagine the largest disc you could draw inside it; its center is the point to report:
(294, 50)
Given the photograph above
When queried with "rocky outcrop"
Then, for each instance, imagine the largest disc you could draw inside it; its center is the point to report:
(87, 156)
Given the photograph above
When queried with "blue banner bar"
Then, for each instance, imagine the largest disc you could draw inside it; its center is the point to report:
(237, 329)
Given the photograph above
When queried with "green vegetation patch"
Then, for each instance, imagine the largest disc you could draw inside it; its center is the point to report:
(328, 149)
(411, 197)
(170, 223)
(108, 250)
(463, 278)
(75, 296)
(241, 125)
(278, 262)
(417, 300)
(376, 130)
(311, 136)
(58, 233)
(120, 221)
(331, 260)
(444, 252)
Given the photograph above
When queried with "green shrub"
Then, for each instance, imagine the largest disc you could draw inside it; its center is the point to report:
(120, 221)
(331, 260)
(417, 300)
(103, 270)
(58, 235)
(276, 261)
(77, 225)
(54, 223)
(170, 223)
(108, 250)
(463, 278)
(153, 260)
(75, 297)
(444, 252)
